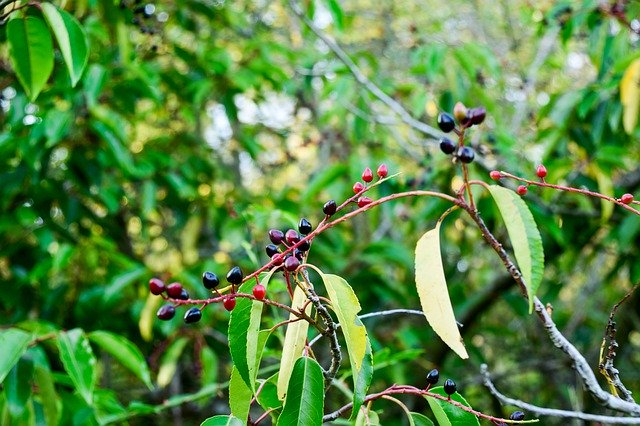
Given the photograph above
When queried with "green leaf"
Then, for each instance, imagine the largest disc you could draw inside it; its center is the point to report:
(524, 235)
(420, 419)
(346, 306)
(31, 53)
(268, 396)
(294, 341)
(432, 290)
(169, 362)
(239, 396)
(209, 362)
(222, 421)
(78, 361)
(448, 414)
(367, 417)
(17, 386)
(14, 344)
(304, 404)
(71, 39)
(125, 352)
(336, 13)
(48, 396)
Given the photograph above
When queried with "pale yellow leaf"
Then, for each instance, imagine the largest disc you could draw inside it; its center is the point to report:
(630, 96)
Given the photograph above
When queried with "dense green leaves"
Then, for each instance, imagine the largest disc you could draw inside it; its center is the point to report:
(304, 404)
(125, 352)
(79, 362)
(14, 343)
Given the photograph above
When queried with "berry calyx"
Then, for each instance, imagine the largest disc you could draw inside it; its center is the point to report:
(277, 259)
(184, 295)
(364, 201)
(446, 122)
(466, 154)
(433, 376)
(304, 227)
(367, 175)
(495, 175)
(447, 146)
(357, 187)
(174, 290)
(517, 415)
(292, 236)
(330, 208)
(291, 263)
(229, 303)
(156, 286)
(541, 171)
(210, 280)
(166, 312)
(192, 315)
(235, 275)
(450, 387)
(271, 249)
(626, 199)
(460, 112)
(276, 236)
(259, 291)
(521, 190)
(382, 171)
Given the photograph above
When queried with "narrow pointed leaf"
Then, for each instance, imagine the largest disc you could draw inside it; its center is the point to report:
(48, 395)
(17, 386)
(432, 290)
(125, 352)
(304, 404)
(448, 414)
(630, 96)
(14, 344)
(78, 361)
(524, 235)
(222, 421)
(239, 396)
(169, 362)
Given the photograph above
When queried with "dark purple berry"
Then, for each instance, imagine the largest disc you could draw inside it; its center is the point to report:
(184, 295)
(192, 315)
(276, 236)
(291, 263)
(166, 312)
(210, 280)
(277, 259)
(446, 122)
(433, 376)
(447, 146)
(271, 249)
(450, 387)
(466, 154)
(174, 290)
(156, 286)
(304, 227)
(477, 115)
(330, 208)
(517, 415)
(292, 236)
(299, 254)
(235, 275)
(304, 246)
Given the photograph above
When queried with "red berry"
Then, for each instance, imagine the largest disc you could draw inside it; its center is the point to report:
(541, 171)
(363, 201)
(156, 286)
(495, 175)
(522, 190)
(367, 175)
(382, 171)
(292, 236)
(229, 303)
(357, 187)
(291, 263)
(259, 291)
(166, 312)
(277, 259)
(626, 199)
(174, 290)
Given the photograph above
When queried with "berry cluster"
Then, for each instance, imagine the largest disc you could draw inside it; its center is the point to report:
(466, 117)
(291, 237)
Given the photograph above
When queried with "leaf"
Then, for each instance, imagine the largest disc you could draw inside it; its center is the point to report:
(432, 290)
(125, 352)
(71, 39)
(367, 417)
(148, 316)
(294, 341)
(268, 396)
(78, 361)
(209, 362)
(17, 386)
(630, 96)
(14, 344)
(31, 53)
(304, 404)
(48, 396)
(222, 421)
(346, 306)
(239, 396)
(448, 414)
(524, 235)
(421, 419)
(336, 13)
(169, 362)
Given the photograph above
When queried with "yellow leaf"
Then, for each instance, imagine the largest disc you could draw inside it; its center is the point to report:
(630, 96)
(148, 316)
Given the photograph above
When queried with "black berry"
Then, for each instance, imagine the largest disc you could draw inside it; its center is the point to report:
(210, 280)
(184, 295)
(304, 246)
(445, 122)
(235, 275)
(447, 146)
(433, 376)
(291, 263)
(517, 415)
(330, 208)
(192, 315)
(276, 236)
(299, 254)
(304, 227)
(156, 286)
(466, 154)
(271, 249)
(292, 236)
(450, 387)
(166, 312)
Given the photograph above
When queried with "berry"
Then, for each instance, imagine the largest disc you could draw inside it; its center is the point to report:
(184, 295)
(433, 376)
(363, 201)
(541, 171)
(304, 227)
(299, 254)
(367, 175)
(495, 175)
(210, 280)
(357, 187)
(174, 290)
(156, 286)
(277, 259)
(626, 199)
(477, 115)
(166, 312)
(229, 303)
(292, 236)
(445, 122)
(291, 263)
(330, 208)
(522, 190)
(192, 315)
(235, 275)
(450, 387)
(271, 249)
(460, 112)
(517, 415)
(304, 246)
(259, 291)
(447, 146)
(382, 171)
(466, 154)
(276, 236)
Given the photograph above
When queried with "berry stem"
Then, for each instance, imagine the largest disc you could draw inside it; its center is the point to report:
(465, 171)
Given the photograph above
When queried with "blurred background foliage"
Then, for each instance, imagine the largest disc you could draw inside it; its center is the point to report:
(198, 125)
